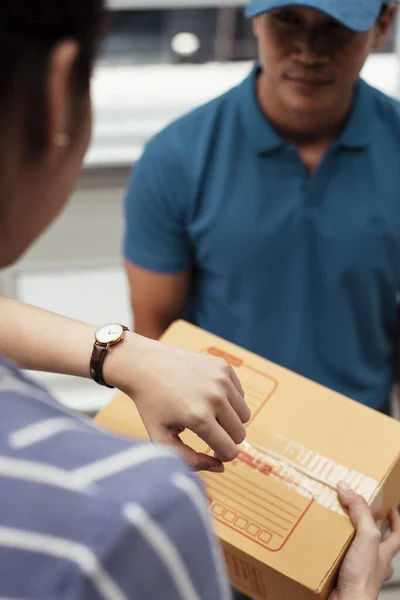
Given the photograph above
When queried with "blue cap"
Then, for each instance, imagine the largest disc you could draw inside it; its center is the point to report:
(358, 15)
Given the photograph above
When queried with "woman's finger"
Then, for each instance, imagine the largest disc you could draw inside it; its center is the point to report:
(236, 381)
(238, 403)
(230, 421)
(215, 437)
(196, 460)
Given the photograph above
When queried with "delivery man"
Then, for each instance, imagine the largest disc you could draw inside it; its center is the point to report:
(271, 215)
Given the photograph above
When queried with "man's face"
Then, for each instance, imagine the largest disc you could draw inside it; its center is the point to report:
(310, 62)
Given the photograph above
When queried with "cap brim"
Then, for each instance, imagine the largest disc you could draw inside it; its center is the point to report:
(358, 15)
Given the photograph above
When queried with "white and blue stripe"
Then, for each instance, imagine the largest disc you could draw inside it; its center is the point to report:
(88, 516)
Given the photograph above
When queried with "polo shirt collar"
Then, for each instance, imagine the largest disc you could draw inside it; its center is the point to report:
(358, 131)
(264, 138)
(260, 132)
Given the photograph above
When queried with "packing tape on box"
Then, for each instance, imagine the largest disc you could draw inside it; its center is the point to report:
(307, 472)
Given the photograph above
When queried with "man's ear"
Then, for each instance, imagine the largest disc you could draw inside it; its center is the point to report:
(256, 26)
(383, 25)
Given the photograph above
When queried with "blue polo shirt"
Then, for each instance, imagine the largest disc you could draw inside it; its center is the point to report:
(301, 270)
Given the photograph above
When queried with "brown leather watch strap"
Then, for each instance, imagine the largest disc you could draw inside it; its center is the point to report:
(96, 365)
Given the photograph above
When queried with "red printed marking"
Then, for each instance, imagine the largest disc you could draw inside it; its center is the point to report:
(249, 520)
(253, 511)
(253, 530)
(239, 363)
(218, 509)
(260, 508)
(259, 541)
(258, 398)
(270, 493)
(265, 536)
(233, 360)
(241, 523)
(255, 463)
(258, 504)
(286, 512)
(286, 479)
(230, 516)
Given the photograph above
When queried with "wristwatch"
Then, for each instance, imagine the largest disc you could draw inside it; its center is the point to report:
(105, 337)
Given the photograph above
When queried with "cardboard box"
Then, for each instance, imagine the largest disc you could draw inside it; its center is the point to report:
(276, 511)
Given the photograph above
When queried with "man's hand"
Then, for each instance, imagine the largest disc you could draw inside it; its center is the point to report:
(368, 563)
(176, 389)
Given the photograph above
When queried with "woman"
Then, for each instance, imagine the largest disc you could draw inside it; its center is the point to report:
(66, 506)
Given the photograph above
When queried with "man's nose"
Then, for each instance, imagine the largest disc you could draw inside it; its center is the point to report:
(313, 48)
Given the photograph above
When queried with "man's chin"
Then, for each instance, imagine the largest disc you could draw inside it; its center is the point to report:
(309, 104)
(308, 96)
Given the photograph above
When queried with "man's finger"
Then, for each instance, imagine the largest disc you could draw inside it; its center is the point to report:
(360, 513)
(390, 547)
(389, 574)
(394, 520)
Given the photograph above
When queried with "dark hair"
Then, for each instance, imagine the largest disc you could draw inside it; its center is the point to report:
(29, 30)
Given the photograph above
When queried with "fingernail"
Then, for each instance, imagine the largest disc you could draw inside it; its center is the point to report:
(217, 469)
(344, 487)
(233, 454)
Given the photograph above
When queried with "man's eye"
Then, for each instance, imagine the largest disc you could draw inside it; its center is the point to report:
(337, 30)
(336, 25)
(286, 17)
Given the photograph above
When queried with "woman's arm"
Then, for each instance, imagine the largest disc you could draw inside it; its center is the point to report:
(43, 341)
(173, 388)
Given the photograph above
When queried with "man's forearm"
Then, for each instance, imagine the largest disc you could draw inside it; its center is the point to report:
(151, 328)
(353, 596)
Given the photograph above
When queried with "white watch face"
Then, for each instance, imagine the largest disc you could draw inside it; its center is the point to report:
(109, 333)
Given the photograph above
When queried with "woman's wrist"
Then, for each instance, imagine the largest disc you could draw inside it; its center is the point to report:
(123, 366)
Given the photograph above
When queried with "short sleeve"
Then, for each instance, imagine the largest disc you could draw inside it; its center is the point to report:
(156, 236)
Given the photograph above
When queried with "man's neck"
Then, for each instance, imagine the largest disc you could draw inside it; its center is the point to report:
(305, 128)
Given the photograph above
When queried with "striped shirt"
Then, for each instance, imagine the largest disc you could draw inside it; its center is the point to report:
(85, 515)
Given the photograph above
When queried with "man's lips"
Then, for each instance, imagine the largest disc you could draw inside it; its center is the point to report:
(309, 80)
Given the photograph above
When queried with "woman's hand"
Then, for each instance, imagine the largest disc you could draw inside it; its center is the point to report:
(368, 563)
(176, 389)
(173, 389)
